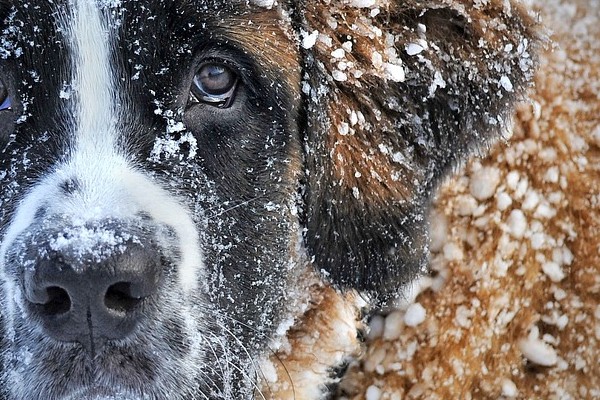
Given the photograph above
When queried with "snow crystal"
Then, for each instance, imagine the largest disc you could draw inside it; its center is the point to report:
(415, 315)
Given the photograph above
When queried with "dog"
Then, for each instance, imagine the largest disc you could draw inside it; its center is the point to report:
(176, 175)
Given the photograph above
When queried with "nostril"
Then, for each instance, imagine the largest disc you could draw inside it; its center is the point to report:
(58, 301)
(119, 297)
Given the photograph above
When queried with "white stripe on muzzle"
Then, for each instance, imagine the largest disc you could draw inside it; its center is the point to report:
(109, 184)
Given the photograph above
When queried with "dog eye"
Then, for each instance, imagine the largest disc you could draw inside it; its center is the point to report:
(215, 83)
(5, 102)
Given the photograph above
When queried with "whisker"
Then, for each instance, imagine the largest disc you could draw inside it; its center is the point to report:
(257, 368)
(241, 204)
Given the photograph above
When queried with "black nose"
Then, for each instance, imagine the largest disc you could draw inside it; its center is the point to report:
(91, 293)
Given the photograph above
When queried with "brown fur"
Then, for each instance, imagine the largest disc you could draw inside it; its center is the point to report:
(476, 359)
(489, 291)
(269, 39)
(326, 338)
(381, 135)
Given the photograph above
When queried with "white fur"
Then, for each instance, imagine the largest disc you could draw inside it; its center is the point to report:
(109, 185)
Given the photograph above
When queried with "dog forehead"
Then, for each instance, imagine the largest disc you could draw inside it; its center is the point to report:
(152, 46)
(33, 24)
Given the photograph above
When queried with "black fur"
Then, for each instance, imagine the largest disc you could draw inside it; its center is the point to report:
(242, 175)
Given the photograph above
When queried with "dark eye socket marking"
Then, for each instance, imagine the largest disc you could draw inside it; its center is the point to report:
(215, 83)
(5, 100)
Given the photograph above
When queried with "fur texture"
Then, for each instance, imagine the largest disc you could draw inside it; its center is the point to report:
(181, 181)
(510, 310)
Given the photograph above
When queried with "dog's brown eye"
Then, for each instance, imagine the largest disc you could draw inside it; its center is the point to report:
(5, 102)
(215, 84)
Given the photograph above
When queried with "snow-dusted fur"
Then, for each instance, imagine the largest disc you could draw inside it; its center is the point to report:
(182, 182)
(511, 309)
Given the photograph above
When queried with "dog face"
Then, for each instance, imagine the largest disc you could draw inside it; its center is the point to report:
(167, 168)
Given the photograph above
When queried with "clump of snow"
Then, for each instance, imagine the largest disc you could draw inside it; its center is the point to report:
(309, 39)
(394, 72)
(484, 183)
(338, 53)
(377, 60)
(509, 389)
(553, 271)
(452, 252)
(536, 350)
(264, 3)
(503, 201)
(363, 3)
(412, 49)
(96, 243)
(394, 323)
(170, 147)
(439, 231)
(506, 83)
(339, 75)
(376, 326)
(373, 393)
(517, 224)
(415, 315)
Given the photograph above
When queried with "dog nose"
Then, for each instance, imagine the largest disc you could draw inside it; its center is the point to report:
(95, 294)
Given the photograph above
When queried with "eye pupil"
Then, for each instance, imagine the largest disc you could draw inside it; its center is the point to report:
(215, 79)
(215, 83)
